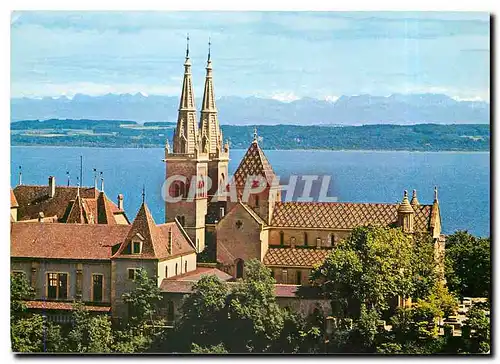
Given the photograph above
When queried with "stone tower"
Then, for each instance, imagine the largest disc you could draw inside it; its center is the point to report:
(211, 135)
(189, 162)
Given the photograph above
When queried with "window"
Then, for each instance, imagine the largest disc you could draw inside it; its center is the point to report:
(282, 238)
(185, 266)
(170, 311)
(57, 285)
(136, 247)
(239, 268)
(299, 277)
(132, 273)
(97, 287)
(305, 239)
(79, 282)
(176, 268)
(332, 239)
(318, 242)
(128, 249)
(272, 272)
(166, 272)
(284, 276)
(256, 201)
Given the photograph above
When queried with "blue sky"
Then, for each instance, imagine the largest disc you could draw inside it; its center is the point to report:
(281, 55)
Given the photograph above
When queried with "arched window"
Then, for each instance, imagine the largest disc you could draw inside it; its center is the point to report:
(305, 239)
(239, 268)
(177, 189)
(282, 238)
(185, 266)
(176, 268)
(166, 271)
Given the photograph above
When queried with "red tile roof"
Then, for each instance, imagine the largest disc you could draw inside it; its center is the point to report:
(66, 306)
(295, 257)
(343, 215)
(35, 199)
(199, 272)
(155, 244)
(253, 163)
(65, 241)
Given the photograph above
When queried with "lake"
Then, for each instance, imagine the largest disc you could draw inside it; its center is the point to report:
(463, 179)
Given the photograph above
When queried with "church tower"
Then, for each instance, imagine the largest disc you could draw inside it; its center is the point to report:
(189, 162)
(211, 134)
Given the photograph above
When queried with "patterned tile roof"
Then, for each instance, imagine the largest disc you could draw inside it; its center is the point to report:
(35, 199)
(254, 163)
(66, 306)
(343, 215)
(295, 257)
(65, 241)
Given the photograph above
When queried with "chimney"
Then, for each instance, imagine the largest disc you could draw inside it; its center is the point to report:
(40, 216)
(120, 201)
(52, 186)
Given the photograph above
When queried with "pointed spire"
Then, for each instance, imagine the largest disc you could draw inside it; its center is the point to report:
(405, 206)
(414, 201)
(186, 132)
(211, 134)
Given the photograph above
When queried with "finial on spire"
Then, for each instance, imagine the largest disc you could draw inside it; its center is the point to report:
(209, 44)
(187, 46)
(255, 136)
(414, 201)
(435, 193)
(405, 194)
(20, 176)
(143, 193)
(67, 174)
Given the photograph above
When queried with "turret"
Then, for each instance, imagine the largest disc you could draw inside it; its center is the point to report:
(406, 215)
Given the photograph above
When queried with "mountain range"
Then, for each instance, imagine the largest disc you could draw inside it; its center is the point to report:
(402, 109)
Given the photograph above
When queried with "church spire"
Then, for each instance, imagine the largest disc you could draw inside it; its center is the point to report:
(186, 132)
(211, 135)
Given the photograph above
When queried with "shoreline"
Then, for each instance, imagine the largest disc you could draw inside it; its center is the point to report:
(269, 150)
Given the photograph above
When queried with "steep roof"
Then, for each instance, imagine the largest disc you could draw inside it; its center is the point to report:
(343, 215)
(35, 199)
(155, 238)
(65, 241)
(294, 257)
(13, 200)
(254, 163)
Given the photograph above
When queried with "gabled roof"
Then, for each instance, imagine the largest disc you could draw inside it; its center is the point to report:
(343, 215)
(13, 200)
(154, 238)
(254, 163)
(65, 241)
(295, 257)
(77, 213)
(35, 199)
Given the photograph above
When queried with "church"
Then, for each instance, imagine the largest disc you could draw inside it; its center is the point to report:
(73, 242)
(288, 237)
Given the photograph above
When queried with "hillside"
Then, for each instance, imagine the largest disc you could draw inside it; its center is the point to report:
(115, 133)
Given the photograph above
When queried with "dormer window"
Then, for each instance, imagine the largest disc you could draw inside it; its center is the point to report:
(136, 247)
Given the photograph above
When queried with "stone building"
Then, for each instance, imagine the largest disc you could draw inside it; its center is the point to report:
(96, 263)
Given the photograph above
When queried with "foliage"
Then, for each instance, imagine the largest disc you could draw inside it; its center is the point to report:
(479, 327)
(89, 334)
(213, 349)
(144, 299)
(372, 266)
(20, 290)
(468, 265)
(34, 333)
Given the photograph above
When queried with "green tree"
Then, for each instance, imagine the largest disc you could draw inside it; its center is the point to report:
(255, 320)
(89, 334)
(372, 266)
(476, 332)
(20, 291)
(213, 349)
(468, 265)
(143, 300)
